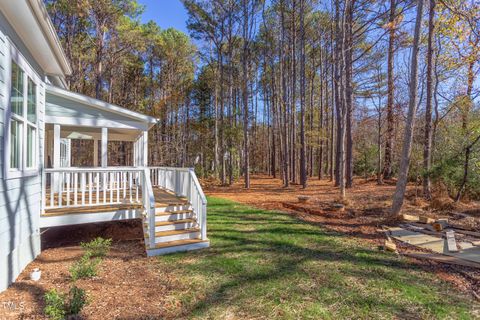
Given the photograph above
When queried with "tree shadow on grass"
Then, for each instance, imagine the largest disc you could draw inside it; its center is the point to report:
(290, 260)
(288, 247)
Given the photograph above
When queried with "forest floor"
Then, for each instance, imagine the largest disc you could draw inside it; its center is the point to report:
(366, 211)
(261, 265)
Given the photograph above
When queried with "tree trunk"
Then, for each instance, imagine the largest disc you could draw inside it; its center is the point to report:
(466, 165)
(283, 108)
(246, 142)
(303, 164)
(293, 101)
(99, 61)
(401, 187)
(338, 102)
(427, 148)
(387, 167)
(349, 92)
(332, 109)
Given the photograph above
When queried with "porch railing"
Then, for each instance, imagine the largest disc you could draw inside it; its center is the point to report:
(184, 182)
(83, 187)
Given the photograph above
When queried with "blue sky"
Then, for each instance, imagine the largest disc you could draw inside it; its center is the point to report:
(166, 13)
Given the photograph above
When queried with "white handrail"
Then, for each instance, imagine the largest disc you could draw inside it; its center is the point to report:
(93, 169)
(184, 182)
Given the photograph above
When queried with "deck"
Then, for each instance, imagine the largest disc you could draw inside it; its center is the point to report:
(169, 201)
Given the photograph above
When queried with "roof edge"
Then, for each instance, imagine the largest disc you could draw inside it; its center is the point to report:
(43, 18)
(99, 104)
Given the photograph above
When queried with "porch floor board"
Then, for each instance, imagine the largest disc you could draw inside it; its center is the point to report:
(163, 198)
(90, 209)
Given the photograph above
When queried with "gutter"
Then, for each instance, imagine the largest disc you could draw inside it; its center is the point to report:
(41, 14)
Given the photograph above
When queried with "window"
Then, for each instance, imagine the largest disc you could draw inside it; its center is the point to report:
(22, 141)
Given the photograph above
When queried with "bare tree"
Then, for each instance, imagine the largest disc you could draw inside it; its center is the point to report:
(399, 194)
(303, 165)
(387, 169)
(427, 147)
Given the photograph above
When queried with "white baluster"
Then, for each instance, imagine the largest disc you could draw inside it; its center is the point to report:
(52, 194)
(130, 185)
(105, 187)
(75, 188)
(136, 186)
(60, 190)
(90, 175)
(117, 178)
(97, 177)
(111, 186)
(82, 187)
(68, 188)
(124, 185)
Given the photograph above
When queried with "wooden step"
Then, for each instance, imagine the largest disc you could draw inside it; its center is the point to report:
(168, 213)
(180, 224)
(177, 246)
(174, 235)
(173, 232)
(166, 223)
(178, 243)
(174, 216)
(163, 204)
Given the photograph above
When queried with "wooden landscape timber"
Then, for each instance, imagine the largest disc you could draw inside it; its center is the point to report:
(303, 199)
(300, 208)
(442, 259)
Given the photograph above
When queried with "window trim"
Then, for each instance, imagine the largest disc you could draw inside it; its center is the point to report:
(14, 55)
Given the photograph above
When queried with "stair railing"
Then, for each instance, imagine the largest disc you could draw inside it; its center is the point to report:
(149, 205)
(184, 183)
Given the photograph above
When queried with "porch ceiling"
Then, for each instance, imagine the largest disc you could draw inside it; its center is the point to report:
(89, 133)
(73, 109)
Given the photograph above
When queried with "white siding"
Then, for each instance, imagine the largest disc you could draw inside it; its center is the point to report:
(20, 199)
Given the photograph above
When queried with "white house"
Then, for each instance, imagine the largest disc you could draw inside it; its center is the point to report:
(39, 117)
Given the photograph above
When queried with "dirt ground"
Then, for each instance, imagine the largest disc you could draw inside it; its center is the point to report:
(124, 275)
(366, 211)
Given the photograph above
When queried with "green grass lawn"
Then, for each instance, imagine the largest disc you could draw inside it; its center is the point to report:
(268, 265)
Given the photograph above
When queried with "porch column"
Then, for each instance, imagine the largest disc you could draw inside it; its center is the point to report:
(55, 183)
(144, 160)
(140, 150)
(56, 146)
(95, 152)
(104, 147)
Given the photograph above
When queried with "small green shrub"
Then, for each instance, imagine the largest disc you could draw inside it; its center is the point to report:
(55, 305)
(58, 306)
(98, 247)
(84, 268)
(77, 300)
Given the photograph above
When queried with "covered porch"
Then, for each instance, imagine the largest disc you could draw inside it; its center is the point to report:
(85, 181)
(71, 117)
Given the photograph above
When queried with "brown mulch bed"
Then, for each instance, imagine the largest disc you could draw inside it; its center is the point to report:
(128, 284)
(366, 211)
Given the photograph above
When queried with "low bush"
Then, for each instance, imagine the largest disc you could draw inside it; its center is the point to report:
(77, 300)
(55, 305)
(98, 247)
(59, 306)
(84, 268)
